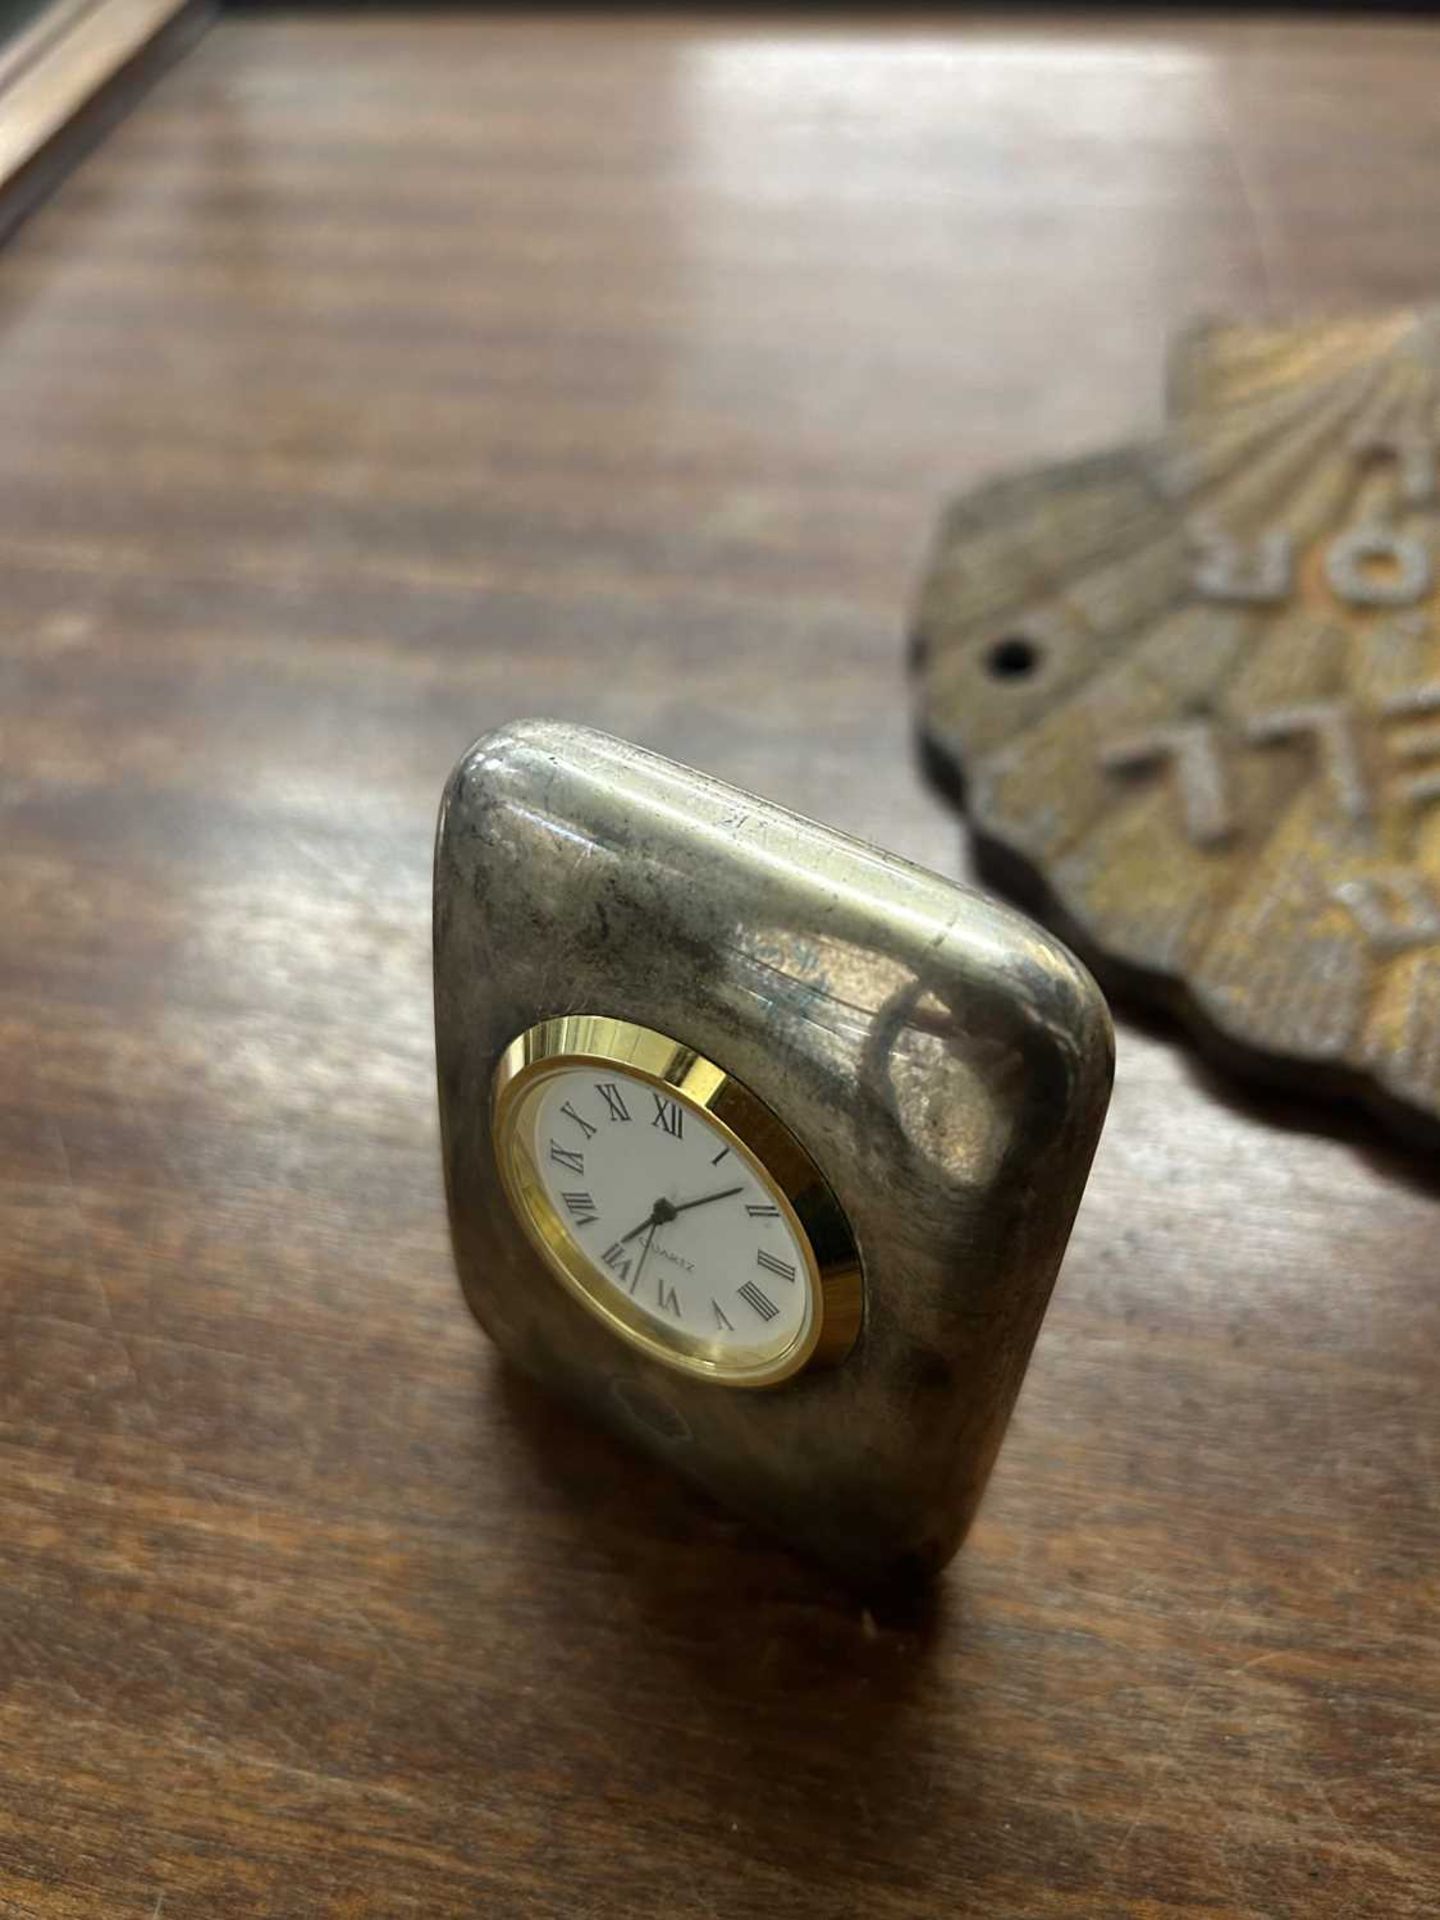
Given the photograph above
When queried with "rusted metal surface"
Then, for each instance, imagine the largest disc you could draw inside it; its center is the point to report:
(1191, 692)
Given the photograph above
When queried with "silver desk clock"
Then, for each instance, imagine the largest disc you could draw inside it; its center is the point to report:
(761, 1145)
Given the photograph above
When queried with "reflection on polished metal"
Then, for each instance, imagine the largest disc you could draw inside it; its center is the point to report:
(1191, 691)
(937, 1062)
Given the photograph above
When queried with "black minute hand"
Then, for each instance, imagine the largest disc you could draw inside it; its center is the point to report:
(664, 1211)
(685, 1205)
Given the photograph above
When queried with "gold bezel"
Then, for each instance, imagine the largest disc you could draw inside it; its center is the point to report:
(832, 1260)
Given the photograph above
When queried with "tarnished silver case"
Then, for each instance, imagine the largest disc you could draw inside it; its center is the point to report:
(945, 1061)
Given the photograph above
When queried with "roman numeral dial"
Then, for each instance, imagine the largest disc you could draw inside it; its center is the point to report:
(666, 1220)
(671, 1214)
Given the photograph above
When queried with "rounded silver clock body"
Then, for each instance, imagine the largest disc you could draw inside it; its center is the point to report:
(944, 1060)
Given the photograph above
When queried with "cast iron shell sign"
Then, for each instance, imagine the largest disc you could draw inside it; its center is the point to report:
(1192, 692)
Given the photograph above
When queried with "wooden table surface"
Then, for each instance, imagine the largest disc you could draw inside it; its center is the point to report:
(381, 379)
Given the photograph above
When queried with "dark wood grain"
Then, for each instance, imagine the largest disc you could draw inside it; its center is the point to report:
(380, 380)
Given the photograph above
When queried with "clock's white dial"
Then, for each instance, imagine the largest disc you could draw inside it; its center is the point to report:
(670, 1213)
